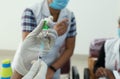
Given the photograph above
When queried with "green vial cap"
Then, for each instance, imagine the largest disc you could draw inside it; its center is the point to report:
(45, 26)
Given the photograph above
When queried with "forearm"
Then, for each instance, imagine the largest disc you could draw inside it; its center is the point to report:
(58, 63)
(65, 56)
(24, 35)
(16, 75)
(62, 59)
(110, 75)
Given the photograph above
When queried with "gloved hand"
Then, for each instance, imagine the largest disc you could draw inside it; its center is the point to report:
(40, 37)
(46, 38)
(37, 71)
(30, 50)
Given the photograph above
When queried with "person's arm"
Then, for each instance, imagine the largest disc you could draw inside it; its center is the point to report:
(24, 34)
(16, 75)
(70, 43)
(28, 24)
(68, 52)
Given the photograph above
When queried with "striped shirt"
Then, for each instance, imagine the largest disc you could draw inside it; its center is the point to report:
(29, 23)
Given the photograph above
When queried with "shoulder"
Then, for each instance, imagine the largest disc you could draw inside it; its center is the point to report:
(111, 41)
(72, 15)
(69, 11)
(34, 7)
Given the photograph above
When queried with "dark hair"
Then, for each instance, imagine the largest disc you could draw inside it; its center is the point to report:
(119, 20)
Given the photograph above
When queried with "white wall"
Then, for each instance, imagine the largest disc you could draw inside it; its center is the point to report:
(95, 19)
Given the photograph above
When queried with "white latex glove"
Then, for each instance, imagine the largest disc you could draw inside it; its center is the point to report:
(48, 38)
(37, 71)
(42, 71)
(30, 50)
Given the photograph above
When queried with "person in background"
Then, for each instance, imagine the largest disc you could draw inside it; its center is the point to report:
(108, 64)
(65, 25)
(104, 68)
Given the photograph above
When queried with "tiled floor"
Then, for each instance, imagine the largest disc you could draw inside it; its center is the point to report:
(80, 61)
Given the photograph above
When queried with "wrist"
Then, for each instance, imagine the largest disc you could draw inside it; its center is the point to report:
(110, 75)
(52, 68)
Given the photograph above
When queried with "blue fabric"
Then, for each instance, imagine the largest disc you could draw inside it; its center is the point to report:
(119, 32)
(28, 21)
(72, 32)
(59, 4)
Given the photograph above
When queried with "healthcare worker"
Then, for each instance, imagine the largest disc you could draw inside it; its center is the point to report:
(65, 25)
(108, 64)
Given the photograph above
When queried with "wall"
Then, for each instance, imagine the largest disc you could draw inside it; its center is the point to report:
(95, 19)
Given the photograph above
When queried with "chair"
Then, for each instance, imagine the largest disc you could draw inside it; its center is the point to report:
(95, 47)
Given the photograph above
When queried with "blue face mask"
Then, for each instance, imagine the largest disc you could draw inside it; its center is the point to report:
(119, 32)
(59, 4)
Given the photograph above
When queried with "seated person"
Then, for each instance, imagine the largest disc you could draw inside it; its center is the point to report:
(108, 63)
